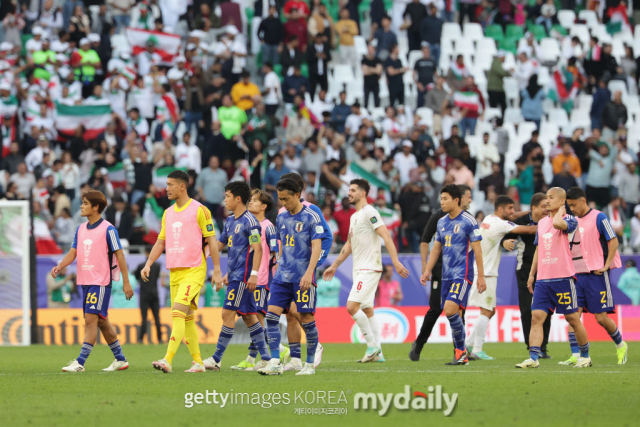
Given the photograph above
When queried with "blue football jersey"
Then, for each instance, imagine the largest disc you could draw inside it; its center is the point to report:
(296, 232)
(456, 236)
(237, 234)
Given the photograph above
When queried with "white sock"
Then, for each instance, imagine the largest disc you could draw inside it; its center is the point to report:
(251, 359)
(363, 323)
(375, 328)
(469, 341)
(480, 333)
(296, 361)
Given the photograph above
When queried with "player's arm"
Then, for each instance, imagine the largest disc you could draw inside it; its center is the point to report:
(124, 270)
(475, 246)
(256, 244)
(433, 258)
(519, 214)
(605, 229)
(216, 280)
(342, 256)
(534, 270)
(391, 247)
(524, 229)
(316, 248)
(64, 262)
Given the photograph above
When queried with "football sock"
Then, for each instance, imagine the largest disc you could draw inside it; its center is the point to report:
(457, 330)
(117, 351)
(312, 339)
(177, 333)
(295, 350)
(584, 350)
(470, 339)
(535, 352)
(573, 342)
(253, 350)
(257, 337)
(85, 352)
(226, 334)
(191, 337)
(273, 331)
(616, 336)
(480, 333)
(365, 328)
(375, 328)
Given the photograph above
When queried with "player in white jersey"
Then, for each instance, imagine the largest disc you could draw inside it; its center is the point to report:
(365, 231)
(493, 229)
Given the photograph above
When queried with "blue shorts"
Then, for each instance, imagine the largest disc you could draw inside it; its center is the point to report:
(261, 297)
(560, 296)
(239, 299)
(594, 293)
(282, 293)
(96, 299)
(455, 290)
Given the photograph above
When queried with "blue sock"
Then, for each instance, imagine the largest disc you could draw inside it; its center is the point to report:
(457, 330)
(312, 340)
(535, 352)
(294, 349)
(253, 350)
(273, 332)
(616, 336)
(85, 352)
(223, 341)
(117, 351)
(257, 337)
(584, 350)
(573, 343)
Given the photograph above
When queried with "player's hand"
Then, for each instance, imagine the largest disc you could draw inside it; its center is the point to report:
(329, 273)
(305, 283)
(128, 291)
(530, 284)
(216, 280)
(402, 271)
(426, 276)
(562, 211)
(482, 285)
(601, 271)
(509, 244)
(145, 273)
(54, 271)
(252, 283)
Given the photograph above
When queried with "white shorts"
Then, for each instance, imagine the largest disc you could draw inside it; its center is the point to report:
(363, 290)
(487, 299)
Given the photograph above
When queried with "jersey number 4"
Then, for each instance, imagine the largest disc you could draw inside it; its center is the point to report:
(447, 241)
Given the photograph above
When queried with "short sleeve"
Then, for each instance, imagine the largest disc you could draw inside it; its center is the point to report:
(223, 238)
(437, 232)
(572, 223)
(254, 231)
(316, 230)
(272, 238)
(113, 239)
(535, 240)
(604, 227)
(508, 227)
(375, 219)
(161, 236)
(205, 222)
(75, 239)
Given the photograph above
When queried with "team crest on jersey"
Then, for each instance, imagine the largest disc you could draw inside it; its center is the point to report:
(238, 227)
(456, 228)
(299, 226)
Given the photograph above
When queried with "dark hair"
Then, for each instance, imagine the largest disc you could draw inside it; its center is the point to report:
(296, 178)
(268, 64)
(575, 193)
(502, 201)
(537, 198)
(239, 189)
(95, 198)
(180, 176)
(264, 198)
(245, 74)
(134, 110)
(453, 191)
(463, 189)
(289, 185)
(363, 184)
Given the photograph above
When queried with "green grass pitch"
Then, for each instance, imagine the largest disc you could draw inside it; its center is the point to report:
(34, 391)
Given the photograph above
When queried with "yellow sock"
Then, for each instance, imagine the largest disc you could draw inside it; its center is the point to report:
(177, 333)
(191, 336)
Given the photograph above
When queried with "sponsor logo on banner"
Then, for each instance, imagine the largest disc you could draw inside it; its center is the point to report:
(394, 326)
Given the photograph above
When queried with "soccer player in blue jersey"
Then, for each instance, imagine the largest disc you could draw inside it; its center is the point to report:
(241, 233)
(294, 332)
(300, 231)
(456, 232)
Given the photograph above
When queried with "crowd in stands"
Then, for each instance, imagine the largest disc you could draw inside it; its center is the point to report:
(507, 97)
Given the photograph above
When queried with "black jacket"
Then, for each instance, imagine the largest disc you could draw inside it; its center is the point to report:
(613, 115)
(312, 61)
(271, 31)
(126, 222)
(290, 61)
(428, 233)
(148, 289)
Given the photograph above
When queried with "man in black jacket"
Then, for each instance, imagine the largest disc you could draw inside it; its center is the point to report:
(318, 56)
(526, 250)
(614, 116)
(149, 297)
(120, 217)
(435, 309)
(271, 35)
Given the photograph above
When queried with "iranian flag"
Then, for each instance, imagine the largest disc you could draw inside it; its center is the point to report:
(167, 45)
(354, 171)
(619, 19)
(152, 215)
(168, 109)
(594, 53)
(460, 71)
(160, 176)
(45, 245)
(563, 88)
(117, 175)
(468, 101)
(93, 117)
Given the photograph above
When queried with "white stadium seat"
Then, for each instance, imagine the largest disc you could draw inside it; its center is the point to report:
(589, 16)
(472, 31)
(582, 32)
(559, 117)
(451, 31)
(550, 50)
(513, 115)
(566, 18)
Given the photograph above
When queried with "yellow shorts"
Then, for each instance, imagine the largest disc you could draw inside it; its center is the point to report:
(186, 284)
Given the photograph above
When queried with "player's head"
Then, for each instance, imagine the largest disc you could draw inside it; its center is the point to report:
(288, 193)
(450, 197)
(177, 182)
(295, 177)
(504, 207)
(577, 201)
(93, 202)
(556, 197)
(236, 193)
(465, 196)
(260, 202)
(358, 189)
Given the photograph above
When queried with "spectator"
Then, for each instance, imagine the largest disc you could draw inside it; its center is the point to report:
(321, 23)
(244, 93)
(389, 291)
(423, 73)
(404, 161)
(415, 207)
(635, 229)
(470, 116)
(340, 113)
(614, 117)
(630, 188)
(13, 159)
(457, 74)
(524, 181)
(394, 71)
(565, 179)
(272, 92)
(299, 6)
(616, 216)
(291, 159)
(298, 126)
(495, 82)
(259, 125)
(294, 85)
(467, 9)
(629, 281)
(65, 229)
(435, 99)
(271, 35)
(24, 181)
(454, 144)
(413, 15)
(487, 156)
(321, 105)
(291, 56)
(119, 215)
(273, 175)
(532, 97)
(149, 298)
(525, 68)
(318, 56)
(210, 185)
(547, 15)
(328, 292)
(347, 29)
(372, 71)
(343, 218)
(431, 31)
(386, 39)
(460, 174)
(296, 26)
(312, 157)
(231, 118)
(600, 169)
(532, 144)
(567, 156)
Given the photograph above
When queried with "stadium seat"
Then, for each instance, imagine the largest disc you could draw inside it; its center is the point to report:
(426, 114)
(625, 36)
(377, 114)
(538, 32)
(514, 32)
(590, 18)
(578, 119)
(524, 131)
(559, 117)
(582, 32)
(491, 113)
(618, 85)
(560, 29)
(451, 31)
(465, 46)
(543, 76)
(511, 90)
(473, 31)
(487, 45)
(513, 115)
(510, 45)
(550, 50)
(414, 55)
(360, 45)
(494, 31)
(343, 74)
(617, 49)
(633, 138)
(566, 18)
